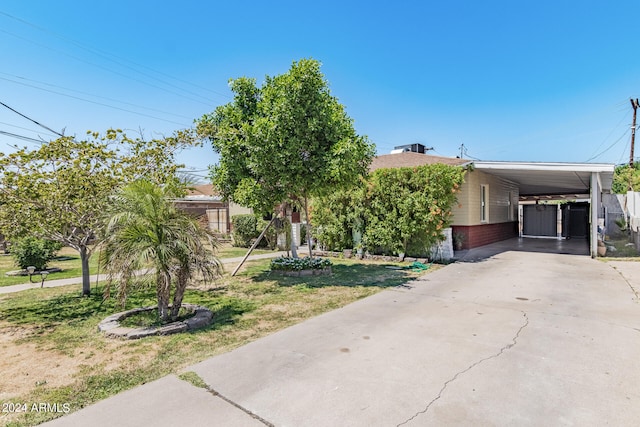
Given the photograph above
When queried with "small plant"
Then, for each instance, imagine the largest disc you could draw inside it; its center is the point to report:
(297, 264)
(31, 251)
(621, 223)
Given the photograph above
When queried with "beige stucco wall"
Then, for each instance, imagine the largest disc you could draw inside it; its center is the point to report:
(503, 198)
(235, 209)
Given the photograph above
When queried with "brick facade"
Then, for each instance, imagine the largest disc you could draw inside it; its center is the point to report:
(483, 234)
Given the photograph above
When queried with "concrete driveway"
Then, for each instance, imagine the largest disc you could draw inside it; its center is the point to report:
(517, 339)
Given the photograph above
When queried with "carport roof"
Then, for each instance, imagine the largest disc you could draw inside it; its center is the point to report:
(555, 179)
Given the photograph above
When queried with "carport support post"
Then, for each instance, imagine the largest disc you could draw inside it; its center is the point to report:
(595, 202)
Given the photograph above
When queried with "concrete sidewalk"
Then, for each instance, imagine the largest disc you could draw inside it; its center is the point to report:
(518, 339)
(227, 262)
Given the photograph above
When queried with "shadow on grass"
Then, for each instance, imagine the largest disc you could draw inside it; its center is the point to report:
(377, 275)
(69, 308)
(66, 308)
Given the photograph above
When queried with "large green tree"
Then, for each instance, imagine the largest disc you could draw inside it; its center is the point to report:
(285, 141)
(626, 178)
(61, 190)
(147, 235)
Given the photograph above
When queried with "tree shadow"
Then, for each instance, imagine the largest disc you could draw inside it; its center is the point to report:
(350, 275)
(71, 308)
(67, 308)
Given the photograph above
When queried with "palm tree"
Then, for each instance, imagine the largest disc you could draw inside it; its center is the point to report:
(149, 239)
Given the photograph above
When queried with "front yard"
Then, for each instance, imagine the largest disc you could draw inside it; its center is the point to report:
(51, 351)
(68, 261)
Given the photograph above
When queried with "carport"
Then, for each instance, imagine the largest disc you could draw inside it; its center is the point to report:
(559, 181)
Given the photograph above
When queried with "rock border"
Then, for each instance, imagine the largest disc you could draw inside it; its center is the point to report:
(347, 254)
(306, 272)
(111, 327)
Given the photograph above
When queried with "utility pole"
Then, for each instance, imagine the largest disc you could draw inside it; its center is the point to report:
(634, 105)
(461, 151)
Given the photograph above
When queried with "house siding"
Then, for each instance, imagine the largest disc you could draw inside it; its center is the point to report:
(502, 200)
(502, 210)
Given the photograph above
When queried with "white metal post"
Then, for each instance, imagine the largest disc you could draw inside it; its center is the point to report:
(595, 201)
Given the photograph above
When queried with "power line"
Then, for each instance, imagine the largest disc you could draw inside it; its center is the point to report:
(25, 138)
(610, 133)
(608, 148)
(624, 153)
(20, 127)
(109, 56)
(97, 103)
(84, 93)
(109, 69)
(31, 120)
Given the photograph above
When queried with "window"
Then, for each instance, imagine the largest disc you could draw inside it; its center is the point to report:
(484, 203)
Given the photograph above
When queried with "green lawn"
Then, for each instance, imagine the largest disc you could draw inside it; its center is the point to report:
(228, 251)
(52, 351)
(70, 268)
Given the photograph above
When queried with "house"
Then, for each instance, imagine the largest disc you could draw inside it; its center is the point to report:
(204, 202)
(501, 200)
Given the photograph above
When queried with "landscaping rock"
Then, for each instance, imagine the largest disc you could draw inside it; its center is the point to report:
(136, 334)
(172, 328)
(106, 326)
(118, 332)
(196, 322)
(304, 273)
(111, 325)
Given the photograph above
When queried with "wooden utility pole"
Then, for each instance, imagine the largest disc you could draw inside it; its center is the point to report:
(634, 105)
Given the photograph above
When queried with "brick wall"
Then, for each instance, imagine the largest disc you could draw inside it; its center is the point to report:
(483, 234)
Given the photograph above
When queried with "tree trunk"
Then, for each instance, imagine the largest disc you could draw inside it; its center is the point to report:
(181, 286)
(86, 282)
(164, 282)
(306, 214)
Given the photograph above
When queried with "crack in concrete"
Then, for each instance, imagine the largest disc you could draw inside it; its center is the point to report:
(627, 282)
(240, 407)
(467, 369)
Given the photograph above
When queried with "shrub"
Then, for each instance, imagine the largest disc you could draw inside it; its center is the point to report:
(244, 229)
(399, 210)
(297, 264)
(31, 251)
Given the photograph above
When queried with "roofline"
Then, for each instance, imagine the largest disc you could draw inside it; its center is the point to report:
(546, 166)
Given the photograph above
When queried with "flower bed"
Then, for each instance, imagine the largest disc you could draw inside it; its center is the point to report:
(301, 266)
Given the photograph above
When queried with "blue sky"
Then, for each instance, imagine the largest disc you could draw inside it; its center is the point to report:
(526, 81)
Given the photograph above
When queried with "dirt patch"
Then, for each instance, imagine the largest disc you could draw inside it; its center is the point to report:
(27, 366)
